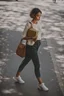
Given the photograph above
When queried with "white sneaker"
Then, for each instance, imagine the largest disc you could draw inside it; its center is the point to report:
(43, 87)
(19, 79)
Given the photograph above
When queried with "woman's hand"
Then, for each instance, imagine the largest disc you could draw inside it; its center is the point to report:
(34, 38)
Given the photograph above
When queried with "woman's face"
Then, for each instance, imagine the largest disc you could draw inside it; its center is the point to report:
(37, 17)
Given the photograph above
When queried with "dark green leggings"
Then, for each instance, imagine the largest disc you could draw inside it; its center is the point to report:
(31, 54)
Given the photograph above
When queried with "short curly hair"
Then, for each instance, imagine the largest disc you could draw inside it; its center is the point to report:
(34, 12)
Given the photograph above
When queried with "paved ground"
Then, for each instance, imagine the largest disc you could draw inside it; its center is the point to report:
(13, 16)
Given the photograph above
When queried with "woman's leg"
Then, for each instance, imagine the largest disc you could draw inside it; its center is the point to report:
(35, 60)
(23, 64)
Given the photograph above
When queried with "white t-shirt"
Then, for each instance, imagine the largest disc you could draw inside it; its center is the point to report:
(36, 27)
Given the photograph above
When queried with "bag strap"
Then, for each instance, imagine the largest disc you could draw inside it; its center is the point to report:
(31, 25)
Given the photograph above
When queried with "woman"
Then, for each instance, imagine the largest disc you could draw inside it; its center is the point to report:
(32, 48)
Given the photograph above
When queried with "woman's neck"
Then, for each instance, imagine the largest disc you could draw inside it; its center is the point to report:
(35, 21)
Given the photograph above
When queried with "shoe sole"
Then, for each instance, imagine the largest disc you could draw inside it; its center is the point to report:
(40, 89)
